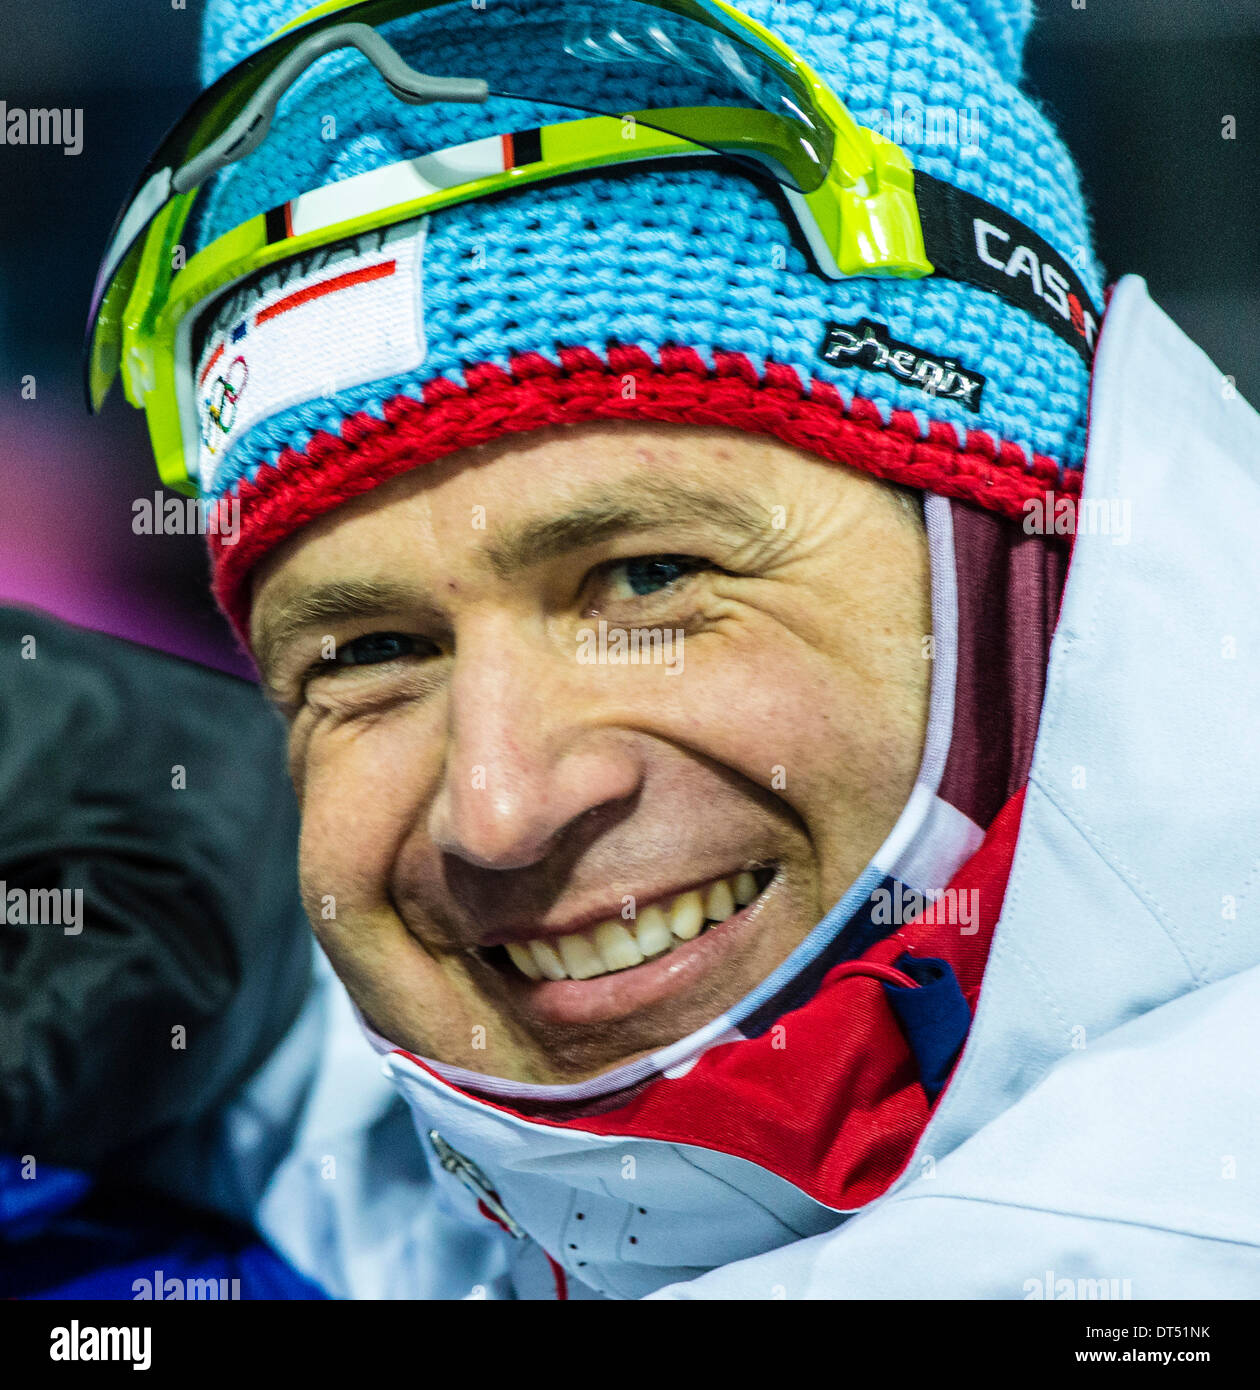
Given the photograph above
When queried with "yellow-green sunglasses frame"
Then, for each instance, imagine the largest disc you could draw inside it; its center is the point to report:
(862, 220)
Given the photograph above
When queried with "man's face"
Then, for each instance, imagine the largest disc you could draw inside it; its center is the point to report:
(480, 764)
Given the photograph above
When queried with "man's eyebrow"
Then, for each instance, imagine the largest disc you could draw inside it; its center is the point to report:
(334, 600)
(642, 506)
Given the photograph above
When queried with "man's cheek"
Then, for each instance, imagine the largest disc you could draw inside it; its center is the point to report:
(335, 888)
(778, 712)
(350, 834)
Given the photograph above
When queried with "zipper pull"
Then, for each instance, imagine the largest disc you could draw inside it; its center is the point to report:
(467, 1172)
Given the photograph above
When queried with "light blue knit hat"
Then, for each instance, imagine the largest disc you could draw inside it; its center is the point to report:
(537, 303)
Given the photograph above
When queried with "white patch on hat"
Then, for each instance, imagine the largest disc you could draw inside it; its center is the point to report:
(315, 325)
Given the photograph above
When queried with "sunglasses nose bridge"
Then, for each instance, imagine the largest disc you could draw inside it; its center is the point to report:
(250, 127)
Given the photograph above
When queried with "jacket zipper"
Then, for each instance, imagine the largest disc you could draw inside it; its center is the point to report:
(466, 1171)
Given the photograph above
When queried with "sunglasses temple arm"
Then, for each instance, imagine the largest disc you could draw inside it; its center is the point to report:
(251, 126)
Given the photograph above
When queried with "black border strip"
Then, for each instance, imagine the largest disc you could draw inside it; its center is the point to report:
(949, 217)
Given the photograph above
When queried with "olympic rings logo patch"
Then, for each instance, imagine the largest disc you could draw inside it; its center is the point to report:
(222, 402)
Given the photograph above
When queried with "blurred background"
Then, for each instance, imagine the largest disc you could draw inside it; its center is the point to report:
(1139, 89)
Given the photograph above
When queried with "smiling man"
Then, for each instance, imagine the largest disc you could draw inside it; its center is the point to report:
(638, 532)
(527, 852)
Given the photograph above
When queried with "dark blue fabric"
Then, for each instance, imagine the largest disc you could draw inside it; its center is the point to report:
(251, 1272)
(64, 1236)
(28, 1204)
(934, 1016)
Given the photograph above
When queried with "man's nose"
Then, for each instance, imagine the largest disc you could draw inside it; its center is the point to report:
(524, 758)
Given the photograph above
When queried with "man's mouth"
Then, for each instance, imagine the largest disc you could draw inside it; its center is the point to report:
(617, 945)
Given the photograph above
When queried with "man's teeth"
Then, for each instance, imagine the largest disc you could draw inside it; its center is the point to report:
(616, 948)
(686, 916)
(651, 932)
(618, 945)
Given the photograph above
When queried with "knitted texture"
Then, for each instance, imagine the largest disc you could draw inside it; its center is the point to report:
(537, 393)
(651, 262)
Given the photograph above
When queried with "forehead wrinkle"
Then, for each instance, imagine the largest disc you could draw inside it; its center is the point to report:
(643, 505)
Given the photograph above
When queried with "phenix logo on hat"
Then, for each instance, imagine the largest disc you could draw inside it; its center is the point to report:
(868, 345)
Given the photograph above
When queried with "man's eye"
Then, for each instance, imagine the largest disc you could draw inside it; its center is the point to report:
(375, 647)
(648, 574)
